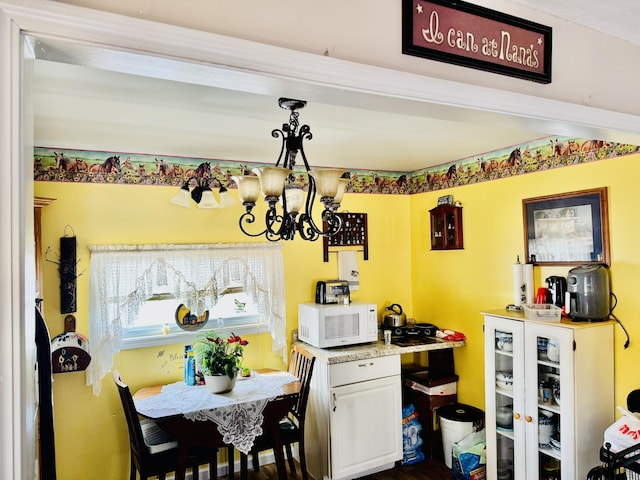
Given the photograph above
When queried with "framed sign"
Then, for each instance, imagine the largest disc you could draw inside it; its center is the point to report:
(567, 229)
(468, 35)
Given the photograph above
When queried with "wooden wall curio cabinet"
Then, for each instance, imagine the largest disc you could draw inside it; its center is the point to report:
(446, 227)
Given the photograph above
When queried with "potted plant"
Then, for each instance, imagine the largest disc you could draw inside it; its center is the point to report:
(219, 360)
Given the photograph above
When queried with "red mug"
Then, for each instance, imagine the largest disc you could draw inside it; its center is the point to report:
(543, 295)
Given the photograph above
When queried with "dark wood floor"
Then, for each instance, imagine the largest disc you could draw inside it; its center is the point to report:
(427, 470)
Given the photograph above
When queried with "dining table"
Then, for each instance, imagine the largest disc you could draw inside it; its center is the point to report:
(198, 418)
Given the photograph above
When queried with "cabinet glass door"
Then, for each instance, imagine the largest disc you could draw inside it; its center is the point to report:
(549, 431)
(504, 403)
(450, 229)
(437, 231)
(505, 427)
(554, 356)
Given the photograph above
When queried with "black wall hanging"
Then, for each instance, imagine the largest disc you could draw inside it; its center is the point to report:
(67, 263)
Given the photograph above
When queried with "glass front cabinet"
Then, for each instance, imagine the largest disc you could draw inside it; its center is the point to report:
(549, 396)
(446, 227)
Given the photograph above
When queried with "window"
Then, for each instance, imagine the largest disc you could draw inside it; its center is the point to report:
(156, 323)
(134, 290)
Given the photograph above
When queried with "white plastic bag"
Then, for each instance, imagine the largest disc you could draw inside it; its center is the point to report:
(469, 457)
(624, 432)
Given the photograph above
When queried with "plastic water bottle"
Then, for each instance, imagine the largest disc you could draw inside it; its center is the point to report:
(185, 368)
(191, 368)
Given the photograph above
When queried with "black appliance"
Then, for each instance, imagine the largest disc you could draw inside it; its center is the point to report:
(416, 334)
(557, 290)
(589, 292)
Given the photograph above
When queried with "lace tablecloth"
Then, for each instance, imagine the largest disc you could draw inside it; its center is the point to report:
(238, 414)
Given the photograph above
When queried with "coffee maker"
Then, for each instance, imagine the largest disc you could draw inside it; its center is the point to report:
(557, 290)
(588, 292)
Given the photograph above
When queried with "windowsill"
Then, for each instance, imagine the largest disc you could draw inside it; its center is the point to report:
(188, 337)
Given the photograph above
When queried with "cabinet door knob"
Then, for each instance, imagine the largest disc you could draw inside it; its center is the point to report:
(528, 418)
(516, 416)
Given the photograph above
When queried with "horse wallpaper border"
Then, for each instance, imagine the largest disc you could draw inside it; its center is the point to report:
(84, 166)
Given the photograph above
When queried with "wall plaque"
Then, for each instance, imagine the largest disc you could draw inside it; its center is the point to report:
(464, 34)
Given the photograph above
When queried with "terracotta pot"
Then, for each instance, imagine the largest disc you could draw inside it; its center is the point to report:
(220, 383)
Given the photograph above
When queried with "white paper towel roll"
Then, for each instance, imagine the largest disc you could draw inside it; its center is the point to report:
(528, 282)
(518, 282)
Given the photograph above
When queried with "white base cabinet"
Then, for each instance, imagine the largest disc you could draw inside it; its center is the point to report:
(354, 419)
(549, 422)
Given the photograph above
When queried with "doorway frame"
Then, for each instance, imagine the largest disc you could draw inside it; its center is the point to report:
(260, 68)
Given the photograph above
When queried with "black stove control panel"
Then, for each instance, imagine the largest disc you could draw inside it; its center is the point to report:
(419, 330)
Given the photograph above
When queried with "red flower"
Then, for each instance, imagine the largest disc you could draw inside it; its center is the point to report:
(220, 356)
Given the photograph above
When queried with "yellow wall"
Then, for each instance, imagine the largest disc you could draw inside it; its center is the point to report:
(90, 432)
(451, 288)
(448, 288)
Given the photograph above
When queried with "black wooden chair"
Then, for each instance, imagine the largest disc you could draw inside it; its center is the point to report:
(633, 401)
(153, 451)
(292, 425)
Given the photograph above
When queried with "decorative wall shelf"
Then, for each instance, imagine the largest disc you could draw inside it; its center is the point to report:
(446, 227)
(353, 233)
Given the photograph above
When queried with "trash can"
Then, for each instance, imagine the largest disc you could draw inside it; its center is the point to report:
(427, 395)
(458, 420)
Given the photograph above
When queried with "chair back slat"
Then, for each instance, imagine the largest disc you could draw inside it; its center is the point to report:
(301, 364)
(136, 437)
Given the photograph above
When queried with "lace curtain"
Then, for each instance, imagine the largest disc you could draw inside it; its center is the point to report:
(122, 277)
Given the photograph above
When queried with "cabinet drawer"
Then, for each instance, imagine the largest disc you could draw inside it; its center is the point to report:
(363, 370)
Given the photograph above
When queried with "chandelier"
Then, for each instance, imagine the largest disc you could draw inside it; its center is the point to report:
(283, 188)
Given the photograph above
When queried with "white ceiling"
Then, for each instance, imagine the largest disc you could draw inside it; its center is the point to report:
(93, 108)
(105, 110)
(618, 18)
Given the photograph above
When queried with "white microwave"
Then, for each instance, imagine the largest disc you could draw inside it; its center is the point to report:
(325, 326)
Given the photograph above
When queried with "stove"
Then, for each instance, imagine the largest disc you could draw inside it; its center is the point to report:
(417, 334)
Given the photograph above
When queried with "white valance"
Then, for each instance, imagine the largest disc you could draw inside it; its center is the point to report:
(122, 277)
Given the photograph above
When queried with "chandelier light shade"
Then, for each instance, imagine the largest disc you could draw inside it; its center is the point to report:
(342, 185)
(248, 188)
(327, 182)
(272, 181)
(294, 197)
(288, 211)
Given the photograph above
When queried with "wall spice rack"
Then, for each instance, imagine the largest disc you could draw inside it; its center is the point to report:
(353, 233)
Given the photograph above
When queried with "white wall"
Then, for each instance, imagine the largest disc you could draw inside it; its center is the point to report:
(588, 68)
(368, 32)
